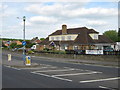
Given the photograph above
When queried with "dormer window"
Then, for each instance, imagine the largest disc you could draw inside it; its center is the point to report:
(94, 36)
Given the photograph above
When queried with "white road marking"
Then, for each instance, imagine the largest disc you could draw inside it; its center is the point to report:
(12, 67)
(15, 68)
(56, 70)
(77, 74)
(97, 80)
(7, 66)
(52, 76)
(39, 68)
(106, 88)
(62, 79)
(41, 74)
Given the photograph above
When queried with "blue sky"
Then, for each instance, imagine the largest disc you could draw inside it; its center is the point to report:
(43, 18)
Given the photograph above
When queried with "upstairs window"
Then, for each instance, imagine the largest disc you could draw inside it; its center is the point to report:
(69, 37)
(57, 38)
(52, 38)
(63, 37)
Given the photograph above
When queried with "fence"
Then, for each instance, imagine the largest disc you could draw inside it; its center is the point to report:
(84, 52)
(111, 52)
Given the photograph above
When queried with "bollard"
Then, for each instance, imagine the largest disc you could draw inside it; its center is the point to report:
(9, 57)
(28, 61)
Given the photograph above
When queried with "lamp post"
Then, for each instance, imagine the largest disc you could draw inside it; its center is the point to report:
(24, 18)
(23, 43)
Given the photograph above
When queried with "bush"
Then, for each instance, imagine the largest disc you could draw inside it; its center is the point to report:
(46, 49)
(30, 52)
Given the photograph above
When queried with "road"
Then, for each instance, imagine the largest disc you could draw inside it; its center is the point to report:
(51, 74)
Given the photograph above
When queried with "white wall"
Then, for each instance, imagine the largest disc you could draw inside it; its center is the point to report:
(60, 37)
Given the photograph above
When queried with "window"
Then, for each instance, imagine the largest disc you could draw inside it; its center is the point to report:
(63, 37)
(57, 38)
(69, 37)
(75, 47)
(95, 36)
(52, 38)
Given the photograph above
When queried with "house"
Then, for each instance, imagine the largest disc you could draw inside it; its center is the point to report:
(116, 47)
(35, 40)
(76, 38)
(16, 41)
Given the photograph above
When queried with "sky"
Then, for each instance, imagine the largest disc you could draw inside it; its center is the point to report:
(44, 18)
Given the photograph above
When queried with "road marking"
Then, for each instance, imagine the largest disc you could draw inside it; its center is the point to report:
(15, 68)
(41, 74)
(56, 70)
(106, 88)
(52, 76)
(97, 80)
(77, 74)
(39, 68)
(12, 67)
(62, 79)
(7, 66)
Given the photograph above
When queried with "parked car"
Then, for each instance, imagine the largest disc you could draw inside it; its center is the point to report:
(108, 49)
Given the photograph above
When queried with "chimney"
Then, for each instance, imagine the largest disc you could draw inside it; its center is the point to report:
(64, 29)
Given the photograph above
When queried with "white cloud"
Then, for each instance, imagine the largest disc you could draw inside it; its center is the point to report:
(43, 19)
(71, 10)
(96, 23)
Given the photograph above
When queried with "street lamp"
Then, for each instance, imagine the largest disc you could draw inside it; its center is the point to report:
(24, 18)
(23, 43)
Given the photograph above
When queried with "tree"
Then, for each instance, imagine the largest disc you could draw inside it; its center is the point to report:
(42, 39)
(112, 34)
(13, 45)
(119, 35)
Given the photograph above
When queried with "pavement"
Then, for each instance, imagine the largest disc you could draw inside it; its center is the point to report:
(17, 63)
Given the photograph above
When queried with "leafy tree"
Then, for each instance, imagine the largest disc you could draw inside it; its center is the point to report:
(119, 35)
(13, 45)
(29, 45)
(112, 34)
(19, 46)
(42, 39)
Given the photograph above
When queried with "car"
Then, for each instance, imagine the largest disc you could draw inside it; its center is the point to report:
(14, 49)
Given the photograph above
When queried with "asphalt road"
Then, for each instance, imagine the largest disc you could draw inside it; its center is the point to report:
(51, 74)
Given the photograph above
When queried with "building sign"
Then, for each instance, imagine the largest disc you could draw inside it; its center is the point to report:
(95, 52)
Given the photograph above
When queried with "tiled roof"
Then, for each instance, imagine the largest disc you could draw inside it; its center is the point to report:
(103, 39)
(83, 37)
(75, 31)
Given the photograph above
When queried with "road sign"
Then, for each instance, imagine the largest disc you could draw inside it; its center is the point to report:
(52, 43)
(8, 42)
(23, 43)
(28, 60)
